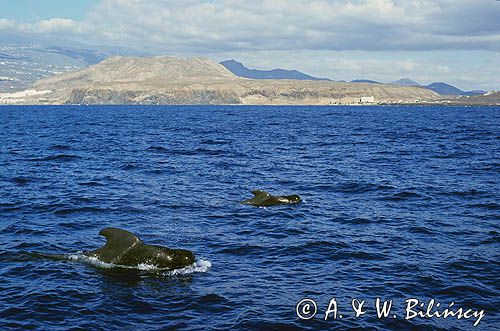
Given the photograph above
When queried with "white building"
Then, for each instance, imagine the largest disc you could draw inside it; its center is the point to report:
(367, 99)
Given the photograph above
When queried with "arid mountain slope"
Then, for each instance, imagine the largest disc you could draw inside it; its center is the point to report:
(171, 80)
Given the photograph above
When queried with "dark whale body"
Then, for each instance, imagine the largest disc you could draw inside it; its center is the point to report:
(126, 249)
(264, 199)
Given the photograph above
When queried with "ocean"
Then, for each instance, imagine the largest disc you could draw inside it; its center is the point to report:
(400, 205)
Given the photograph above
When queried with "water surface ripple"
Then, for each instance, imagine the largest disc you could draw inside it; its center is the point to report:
(399, 202)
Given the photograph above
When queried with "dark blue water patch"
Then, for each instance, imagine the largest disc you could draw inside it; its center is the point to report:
(57, 157)
(492, 238)
(360, 220)
(65, 211)
(58, 147)
(184, 152)
(404, 195)
(470, 193)
(216, 142)
(422, 230)
(20, 180)
(486, 205)
(360, 187)
(130, 166)
(158, 149)
(90, 183)
(399, 202)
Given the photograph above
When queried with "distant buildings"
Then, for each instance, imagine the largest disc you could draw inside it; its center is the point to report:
(367, 100)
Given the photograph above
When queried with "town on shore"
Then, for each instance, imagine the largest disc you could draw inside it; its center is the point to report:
(164, 80)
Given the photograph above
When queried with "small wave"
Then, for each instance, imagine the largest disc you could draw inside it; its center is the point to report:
(200, 265)
(493, 238)
(185, 152)
(200, 151)
(465, 193)
(216, 142)
(472, 192)
(405, 195)
(357, 187)
(18, 256)
(157, 149)
(422, 230)
(78, 210)
(129, 166)
(9, 204)
(243, 250)
(265, 325)
(362, 255)
(326, 249)
(20, 180)
(155, 171)
(491, 205)
(463, 290)
(360, 220)
(91, 183)
(24, 231)
(212, 298)
(58, 157)
(60, 147)
(325, 245)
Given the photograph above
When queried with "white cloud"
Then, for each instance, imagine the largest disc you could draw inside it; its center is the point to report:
(55, 25)
(306, 27)
(6, 24)
(287, 25)
(465, 69)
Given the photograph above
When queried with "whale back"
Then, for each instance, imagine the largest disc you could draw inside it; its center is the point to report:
(118, 243)
(264, 199)
(159, 256)
(125, 248)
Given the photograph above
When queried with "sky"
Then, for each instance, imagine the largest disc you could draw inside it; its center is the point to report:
(35, 10)
(455, 41)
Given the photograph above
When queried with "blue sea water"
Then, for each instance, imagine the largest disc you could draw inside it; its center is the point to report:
(399, 203)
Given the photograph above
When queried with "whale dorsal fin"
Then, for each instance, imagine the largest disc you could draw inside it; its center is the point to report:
(259, 197)
(260, 194)
(118, 242)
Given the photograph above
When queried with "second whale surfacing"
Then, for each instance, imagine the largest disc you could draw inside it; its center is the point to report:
(263, 199)
(123, 248)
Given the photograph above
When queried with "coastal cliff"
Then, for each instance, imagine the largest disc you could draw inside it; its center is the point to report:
(172, 80)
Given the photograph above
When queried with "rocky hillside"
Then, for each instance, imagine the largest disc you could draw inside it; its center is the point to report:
(488, 99)
(22, 65)
(171, 80)
(151, 71)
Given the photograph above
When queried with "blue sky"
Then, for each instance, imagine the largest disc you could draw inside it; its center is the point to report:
(35, 10)
(455, 41)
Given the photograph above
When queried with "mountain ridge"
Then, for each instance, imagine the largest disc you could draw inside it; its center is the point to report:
(368, 81)
(441, 88)
(447, 89)
(405, 82)
(173, 80)
(241, 70)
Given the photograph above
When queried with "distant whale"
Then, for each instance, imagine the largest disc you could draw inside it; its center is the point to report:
(126, 249)
(264, 199)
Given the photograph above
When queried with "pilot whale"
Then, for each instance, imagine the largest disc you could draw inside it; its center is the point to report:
(126, 249)
(263, 199)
